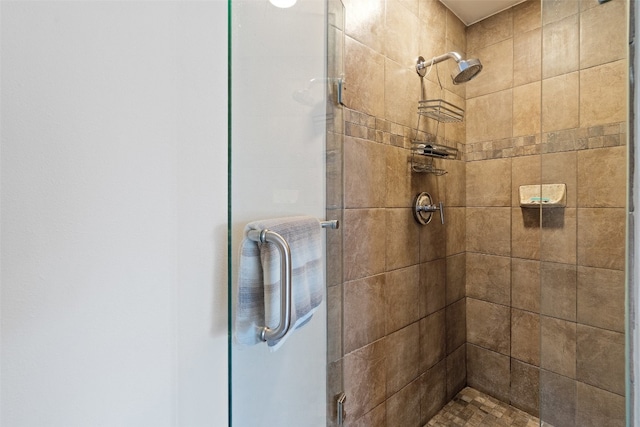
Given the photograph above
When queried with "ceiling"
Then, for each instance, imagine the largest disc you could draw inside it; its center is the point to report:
(472, 11)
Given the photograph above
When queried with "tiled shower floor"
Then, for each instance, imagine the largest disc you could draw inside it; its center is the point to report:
(473, 408)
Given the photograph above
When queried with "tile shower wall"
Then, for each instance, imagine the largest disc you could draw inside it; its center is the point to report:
(545, 293)
(400, 340)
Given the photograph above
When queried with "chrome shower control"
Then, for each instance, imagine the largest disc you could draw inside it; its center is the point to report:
(423, 209)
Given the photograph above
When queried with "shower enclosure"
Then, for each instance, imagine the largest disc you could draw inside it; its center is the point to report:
(521, 299)
(284, 84)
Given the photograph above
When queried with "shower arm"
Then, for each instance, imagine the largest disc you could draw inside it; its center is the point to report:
(421, 65)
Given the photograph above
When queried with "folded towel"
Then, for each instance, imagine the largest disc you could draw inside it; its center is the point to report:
(258, 301)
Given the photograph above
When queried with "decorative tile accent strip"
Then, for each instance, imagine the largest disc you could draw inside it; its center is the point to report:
(364, 126)
(471, 408)
(611, 135)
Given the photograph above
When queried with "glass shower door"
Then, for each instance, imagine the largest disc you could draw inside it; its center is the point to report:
(584, 144)
(278, 150)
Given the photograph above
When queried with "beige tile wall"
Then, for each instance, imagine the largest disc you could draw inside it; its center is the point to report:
(558, 322)
(524, 306)
(401, 339)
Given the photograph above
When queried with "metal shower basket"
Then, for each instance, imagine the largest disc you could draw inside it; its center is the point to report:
(440, 110)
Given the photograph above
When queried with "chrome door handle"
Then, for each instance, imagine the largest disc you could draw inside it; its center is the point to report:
(267, 236)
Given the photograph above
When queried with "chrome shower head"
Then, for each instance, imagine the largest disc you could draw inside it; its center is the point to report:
(466, 69)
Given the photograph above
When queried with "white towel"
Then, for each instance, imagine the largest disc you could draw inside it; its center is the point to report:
(258, 301)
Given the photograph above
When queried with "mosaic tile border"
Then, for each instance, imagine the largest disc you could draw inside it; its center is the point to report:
(365, 126)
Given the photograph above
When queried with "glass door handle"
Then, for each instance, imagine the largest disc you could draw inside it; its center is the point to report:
(263, 236)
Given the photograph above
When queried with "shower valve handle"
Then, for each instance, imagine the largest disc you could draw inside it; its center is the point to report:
(424, 208)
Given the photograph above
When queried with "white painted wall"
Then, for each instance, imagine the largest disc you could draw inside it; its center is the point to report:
(113, 213)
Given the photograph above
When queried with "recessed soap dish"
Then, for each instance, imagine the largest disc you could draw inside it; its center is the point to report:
(545, 195)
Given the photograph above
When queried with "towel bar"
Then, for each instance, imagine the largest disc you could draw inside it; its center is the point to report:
(267, 236)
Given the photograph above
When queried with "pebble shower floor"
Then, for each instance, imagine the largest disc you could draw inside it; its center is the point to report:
(471, 408)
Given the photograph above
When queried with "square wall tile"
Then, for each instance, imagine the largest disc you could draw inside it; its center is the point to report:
(558, 290)
(562, 168)
(434, 15)
(455, 226)
(489, 278)
(487, 32)
(365, 23)
(602, 37)
(554, 10)
(403, 92)
(404, 406)
(601, 298)
(526, 16)
(435, 381)
(525, 336)
(560, 102)
(456, 319)
(456, 30)
(558, 235)
(601, 238)
(525, 233)
(376, 417)
(524, 171)
(603, 103)
(365, 173)
(433, 236)
(456, 371)
(455, 183)
(489, 230)
(488, 325)
(366, 90)
(525, 284)
(557, 400)
(488, 372)
(363, 257)
(432, 340)
(489, 183)
(527, 57)
(558, 346)
(402, 357)
(561, 45)
(401, 26)
(397, 177)
(432, 286)
(525, 387)
(365, 379)
(489, 117)
(526, 109)
(596, 407)
(402, 239)
(455, 132)
(497, 71)
(600, 358)
(402, 290)
(364, 312)
(456, 278)
(608, 187)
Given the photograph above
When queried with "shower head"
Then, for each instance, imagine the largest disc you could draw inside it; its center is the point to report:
(466, 69)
